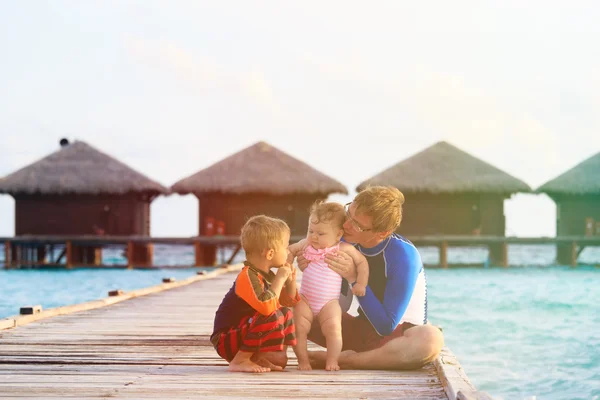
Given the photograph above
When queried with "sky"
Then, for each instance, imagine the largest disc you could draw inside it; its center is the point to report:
(351, 88)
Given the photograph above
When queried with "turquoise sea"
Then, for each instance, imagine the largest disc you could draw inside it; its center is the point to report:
(527, 332)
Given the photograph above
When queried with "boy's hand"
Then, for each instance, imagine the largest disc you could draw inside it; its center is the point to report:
(359, 290)
(292, 276)
(284, 272)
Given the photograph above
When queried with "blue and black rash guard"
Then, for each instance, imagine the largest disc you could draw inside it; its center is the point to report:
(397, 289)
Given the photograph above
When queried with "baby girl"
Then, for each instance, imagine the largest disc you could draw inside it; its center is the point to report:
(320, 289)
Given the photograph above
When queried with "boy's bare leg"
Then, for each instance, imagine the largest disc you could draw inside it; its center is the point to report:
(303, 318)
(242, 363)
(330, 319)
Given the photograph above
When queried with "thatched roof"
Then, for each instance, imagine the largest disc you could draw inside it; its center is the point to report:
(584, 178)
(78, 168)
(443, 168)
(260, 168)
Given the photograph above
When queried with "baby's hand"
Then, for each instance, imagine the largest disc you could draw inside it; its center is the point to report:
(359, 290)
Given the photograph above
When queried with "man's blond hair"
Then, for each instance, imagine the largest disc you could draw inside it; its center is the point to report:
(328, 212)
(383, 204)
(261, 233)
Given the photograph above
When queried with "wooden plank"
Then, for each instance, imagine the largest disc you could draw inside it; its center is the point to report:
(20, 320)
(156, 345)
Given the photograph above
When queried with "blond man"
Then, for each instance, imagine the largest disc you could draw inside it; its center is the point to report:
(391, 330)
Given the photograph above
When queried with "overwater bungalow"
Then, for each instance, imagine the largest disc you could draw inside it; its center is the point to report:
(257, 180)
(577, 196)
(79, 190)
(450, 192)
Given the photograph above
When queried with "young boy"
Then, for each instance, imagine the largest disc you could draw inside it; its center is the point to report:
(253, 325)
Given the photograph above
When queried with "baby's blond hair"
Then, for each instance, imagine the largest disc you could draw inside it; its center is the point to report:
(261, 233)
(328, 212)
(383, 204)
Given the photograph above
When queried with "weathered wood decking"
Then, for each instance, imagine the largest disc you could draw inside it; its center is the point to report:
(157, 346)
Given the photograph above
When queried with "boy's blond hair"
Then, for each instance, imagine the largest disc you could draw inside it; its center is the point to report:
(328, 212)
(261, 233)
(383, 204)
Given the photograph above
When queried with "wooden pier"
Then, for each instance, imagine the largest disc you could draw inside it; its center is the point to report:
(38, 251)
(156, 345)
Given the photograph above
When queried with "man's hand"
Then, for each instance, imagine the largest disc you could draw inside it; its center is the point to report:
(302, 262)
(341, 263)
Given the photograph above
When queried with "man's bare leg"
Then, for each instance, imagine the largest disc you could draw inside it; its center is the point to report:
(419, 345)
(242, 363)
(275, 360)
(330, 319)
(303, 318)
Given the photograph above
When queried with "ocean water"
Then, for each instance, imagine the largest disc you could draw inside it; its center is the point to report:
(527, 332)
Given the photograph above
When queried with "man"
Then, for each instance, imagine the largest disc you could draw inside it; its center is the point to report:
(391, 331)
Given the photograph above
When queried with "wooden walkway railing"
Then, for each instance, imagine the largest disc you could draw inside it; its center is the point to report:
(156, 345)
(84, 250)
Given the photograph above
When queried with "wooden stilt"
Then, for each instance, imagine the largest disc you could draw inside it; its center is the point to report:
(574, 254)
(199, 258)
(130, 253)
(235, 252)
(7, 255)
(69, 248)
(505, 254)
(97, 256)
(444, 255)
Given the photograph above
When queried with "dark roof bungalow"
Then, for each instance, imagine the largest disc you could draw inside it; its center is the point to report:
(80, 190)
(577, 196)
(257, 180)
(448, 191)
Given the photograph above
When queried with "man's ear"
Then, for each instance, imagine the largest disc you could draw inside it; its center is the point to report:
(384, 235)
(269, 254)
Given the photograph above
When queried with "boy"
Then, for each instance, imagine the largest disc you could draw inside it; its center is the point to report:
(253, 325)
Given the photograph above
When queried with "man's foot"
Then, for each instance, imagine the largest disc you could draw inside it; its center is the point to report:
(345, 356)
(317, 359)
(277, 361)
(263, 362)
(247, 366)
(304, 366)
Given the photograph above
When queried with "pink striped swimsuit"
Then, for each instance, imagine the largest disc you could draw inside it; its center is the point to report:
(320, 284)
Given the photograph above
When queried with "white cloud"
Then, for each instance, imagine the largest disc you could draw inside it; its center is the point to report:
(202, 72)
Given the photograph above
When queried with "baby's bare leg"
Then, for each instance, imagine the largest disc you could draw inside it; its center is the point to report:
(303, 318)
(330, 318)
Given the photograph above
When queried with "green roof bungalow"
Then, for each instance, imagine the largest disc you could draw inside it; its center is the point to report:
(449, 192)
(577, 196)
(259, 179)
(79, 190)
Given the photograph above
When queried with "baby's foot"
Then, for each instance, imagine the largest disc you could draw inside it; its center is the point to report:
(332, 366)
(247, 366)
(304, 366)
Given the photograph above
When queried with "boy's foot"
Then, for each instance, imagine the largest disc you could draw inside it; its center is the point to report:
(247, 366)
